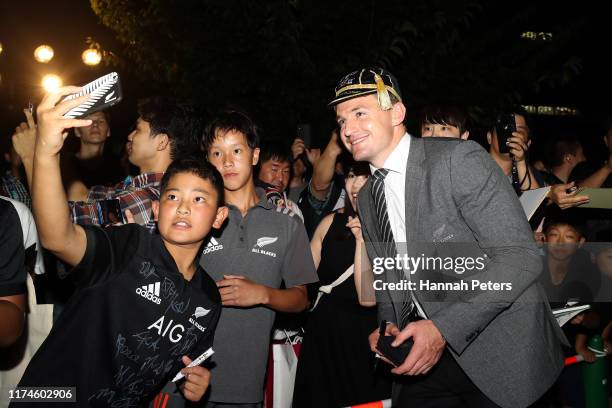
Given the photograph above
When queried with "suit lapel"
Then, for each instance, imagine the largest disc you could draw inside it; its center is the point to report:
(367, 214)
(414, 187)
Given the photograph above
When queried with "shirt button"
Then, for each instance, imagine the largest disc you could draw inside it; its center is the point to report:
(241, 227)
(241, 239)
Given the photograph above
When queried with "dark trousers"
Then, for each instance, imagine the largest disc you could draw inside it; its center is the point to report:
(444, 386)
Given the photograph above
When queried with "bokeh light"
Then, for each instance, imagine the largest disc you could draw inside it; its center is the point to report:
(51, 82)
(91, 56)
(43, 53)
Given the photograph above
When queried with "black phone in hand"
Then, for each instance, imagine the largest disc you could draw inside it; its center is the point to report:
(504, 127)
(397, 355)
(103, 93)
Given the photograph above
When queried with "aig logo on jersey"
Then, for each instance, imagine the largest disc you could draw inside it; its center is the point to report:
(150, 292)
(212, 246)
(174, 331)
(262, 242)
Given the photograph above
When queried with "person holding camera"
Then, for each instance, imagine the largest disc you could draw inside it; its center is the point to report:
(509, 145)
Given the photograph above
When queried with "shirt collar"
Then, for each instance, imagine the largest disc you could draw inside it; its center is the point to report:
(161, 257)
(263, 201)
(396, 162)
(144, 180)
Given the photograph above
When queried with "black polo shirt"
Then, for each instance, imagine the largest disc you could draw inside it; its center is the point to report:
(123, 333)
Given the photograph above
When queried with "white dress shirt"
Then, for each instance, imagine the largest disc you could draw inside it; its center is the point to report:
(395, 197)
(395, 188)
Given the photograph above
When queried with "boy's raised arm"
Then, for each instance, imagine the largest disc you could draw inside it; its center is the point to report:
(55, 228)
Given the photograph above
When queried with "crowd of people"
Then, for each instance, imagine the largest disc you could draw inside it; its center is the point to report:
(220, 238)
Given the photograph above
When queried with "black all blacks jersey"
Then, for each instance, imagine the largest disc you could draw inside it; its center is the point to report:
(123, 333)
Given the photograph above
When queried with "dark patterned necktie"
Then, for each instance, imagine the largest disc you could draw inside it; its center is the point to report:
(387, 241)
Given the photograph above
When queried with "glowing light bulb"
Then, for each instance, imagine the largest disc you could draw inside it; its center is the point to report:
(51, 82)
(43, 53)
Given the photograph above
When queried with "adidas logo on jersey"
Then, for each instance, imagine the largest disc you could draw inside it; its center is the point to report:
(150, 292)
(213, 245)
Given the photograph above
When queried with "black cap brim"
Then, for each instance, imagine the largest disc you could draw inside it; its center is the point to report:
(354, 93)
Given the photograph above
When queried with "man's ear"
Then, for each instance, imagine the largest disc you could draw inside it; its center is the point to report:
(255, 156)
(489, 137)
(581, 242)
(466, 135)
(398, 114)
(155, 207)
(222, 213)
(163, 141)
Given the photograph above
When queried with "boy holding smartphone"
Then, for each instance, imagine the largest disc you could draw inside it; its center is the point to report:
(145, 308)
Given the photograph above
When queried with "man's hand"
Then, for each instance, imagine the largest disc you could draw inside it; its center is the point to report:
(24, 138)
(298, 147)
(426, 351)
(390, 330)
(52, 124)
(196, 381)
(241, 292)
(558, 194)
(334, 144)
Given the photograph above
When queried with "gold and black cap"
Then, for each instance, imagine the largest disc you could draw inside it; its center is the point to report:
(368, 81)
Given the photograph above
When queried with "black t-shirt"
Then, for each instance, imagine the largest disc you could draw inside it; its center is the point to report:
(100, 171)
(121, 336)
(12, 253)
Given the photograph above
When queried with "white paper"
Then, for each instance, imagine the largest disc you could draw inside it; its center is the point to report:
(565, 314)
(531, 200)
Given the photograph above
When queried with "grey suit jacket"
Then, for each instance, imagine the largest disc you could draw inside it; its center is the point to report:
(457, 199)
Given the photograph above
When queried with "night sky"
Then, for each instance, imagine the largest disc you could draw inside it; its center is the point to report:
(62, 24)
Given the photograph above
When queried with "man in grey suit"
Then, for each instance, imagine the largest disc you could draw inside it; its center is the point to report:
(495, 344)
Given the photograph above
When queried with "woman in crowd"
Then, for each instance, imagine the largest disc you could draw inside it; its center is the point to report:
(336, 366)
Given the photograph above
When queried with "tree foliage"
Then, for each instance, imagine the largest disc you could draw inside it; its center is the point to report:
(280, 59)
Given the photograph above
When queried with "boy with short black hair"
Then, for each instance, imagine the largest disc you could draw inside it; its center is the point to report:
(568, 273)
(145, 308)
(258, 248)
(444, 121)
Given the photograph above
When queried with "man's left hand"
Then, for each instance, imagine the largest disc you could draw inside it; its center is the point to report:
(426, 351)
(239, 291)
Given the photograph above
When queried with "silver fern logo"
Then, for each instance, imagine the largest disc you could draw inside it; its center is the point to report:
(263, 241)
(200, 311)
(97, 90)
